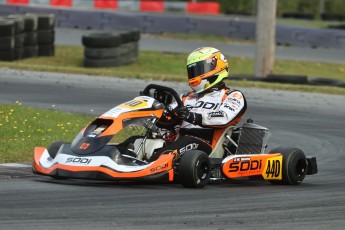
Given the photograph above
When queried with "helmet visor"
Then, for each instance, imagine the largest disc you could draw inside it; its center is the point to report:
(201, 67)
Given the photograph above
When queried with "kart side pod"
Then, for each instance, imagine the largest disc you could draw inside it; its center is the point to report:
(282, 165)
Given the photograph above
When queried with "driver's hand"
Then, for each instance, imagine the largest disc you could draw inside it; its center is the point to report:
(183, 112)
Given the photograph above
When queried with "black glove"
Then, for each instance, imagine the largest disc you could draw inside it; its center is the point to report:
(182, 112)
(194, 118)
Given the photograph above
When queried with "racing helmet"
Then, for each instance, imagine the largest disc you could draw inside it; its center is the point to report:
(206, 66)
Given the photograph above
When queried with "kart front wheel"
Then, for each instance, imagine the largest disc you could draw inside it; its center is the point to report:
(295, 165)
(194, 169)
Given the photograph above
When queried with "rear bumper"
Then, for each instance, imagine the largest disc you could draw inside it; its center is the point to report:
(312, 166)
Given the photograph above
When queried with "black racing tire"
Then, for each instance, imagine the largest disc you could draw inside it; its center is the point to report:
(194, 169)
(242, 77)
(130, 35)
(30, 22)
(7, 43)
(132, 53)
(8, 55)
(326, 81)
(18, 21)
(105, 53)
(45, 37)
(121, 51)
(97, 63)
(30, 38)
(6, 28)
(18, 53)
(125, 36)
(54, 148)
(132, 57)
(290, 79)
(19, 40)
(135, 35)
(101, 40)
(295, 165)
(30, 51)
(45, 22)
(46, 50)
(131, 47)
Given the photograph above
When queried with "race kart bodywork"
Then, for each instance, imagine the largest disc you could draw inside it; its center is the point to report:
(91, 156)
(239, 153)
(245, 157)
(70, 165)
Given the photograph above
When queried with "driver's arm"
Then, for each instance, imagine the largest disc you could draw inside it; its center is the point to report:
(171, 107)
(229, 113)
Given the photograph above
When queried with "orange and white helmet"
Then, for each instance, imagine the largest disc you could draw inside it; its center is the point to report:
(206, 66)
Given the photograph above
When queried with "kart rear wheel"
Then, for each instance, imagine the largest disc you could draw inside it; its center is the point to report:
(194, 169)
(54, 148)
(295, 165)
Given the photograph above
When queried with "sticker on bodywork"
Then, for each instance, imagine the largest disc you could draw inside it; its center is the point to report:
(273, 169)
(268, 166)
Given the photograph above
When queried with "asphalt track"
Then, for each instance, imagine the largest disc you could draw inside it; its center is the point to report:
(312, 122)
(246, 50)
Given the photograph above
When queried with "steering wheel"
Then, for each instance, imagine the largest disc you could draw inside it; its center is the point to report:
(165, 123)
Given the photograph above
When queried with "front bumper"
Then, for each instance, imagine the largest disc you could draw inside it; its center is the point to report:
(101, 168)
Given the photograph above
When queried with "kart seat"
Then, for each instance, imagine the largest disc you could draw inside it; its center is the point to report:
(150, 145)
(218, 150)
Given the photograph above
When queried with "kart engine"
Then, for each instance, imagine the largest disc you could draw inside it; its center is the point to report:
(253, 139)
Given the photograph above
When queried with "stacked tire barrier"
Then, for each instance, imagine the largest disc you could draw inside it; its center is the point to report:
(46, 34)
(30, 48)
(11, 39)
(26, 35)
(111, 49)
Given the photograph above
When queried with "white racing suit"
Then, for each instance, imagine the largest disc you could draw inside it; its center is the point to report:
(209, 114)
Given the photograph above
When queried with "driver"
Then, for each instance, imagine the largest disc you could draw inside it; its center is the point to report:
(209, 108)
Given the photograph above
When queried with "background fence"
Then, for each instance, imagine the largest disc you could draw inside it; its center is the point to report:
(182, 23)
(127, 5)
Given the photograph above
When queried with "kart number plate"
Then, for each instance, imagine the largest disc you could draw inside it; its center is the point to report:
(273, 169)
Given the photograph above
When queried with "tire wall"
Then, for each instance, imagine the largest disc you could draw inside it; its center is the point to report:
(111, 48)
(11, 39)
(26, 35)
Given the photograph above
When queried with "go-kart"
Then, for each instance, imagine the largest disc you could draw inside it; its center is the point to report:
(238, 154)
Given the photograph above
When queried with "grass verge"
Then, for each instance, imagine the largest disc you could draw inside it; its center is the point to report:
(24, 128)
(171, 67)
(21, 129)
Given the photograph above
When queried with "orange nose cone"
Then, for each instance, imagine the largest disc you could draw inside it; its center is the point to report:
(195, 81)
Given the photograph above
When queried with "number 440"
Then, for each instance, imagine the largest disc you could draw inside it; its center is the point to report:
(273, 168)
